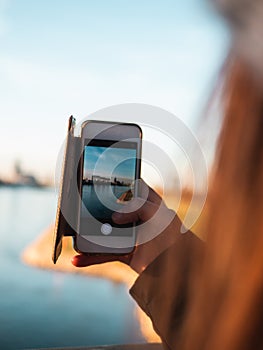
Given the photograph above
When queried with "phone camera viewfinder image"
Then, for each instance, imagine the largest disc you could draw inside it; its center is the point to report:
(108, 178)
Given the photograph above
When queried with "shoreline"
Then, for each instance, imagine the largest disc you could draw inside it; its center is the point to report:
(38, 254)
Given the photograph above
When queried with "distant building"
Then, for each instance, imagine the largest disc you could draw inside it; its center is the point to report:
(23, 179)
(100, 179)
(121, 181)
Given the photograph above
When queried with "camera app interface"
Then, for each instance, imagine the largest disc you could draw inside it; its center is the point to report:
(108, 182)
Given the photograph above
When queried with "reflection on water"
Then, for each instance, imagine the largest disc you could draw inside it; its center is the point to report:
(41, 308)
(102, 200)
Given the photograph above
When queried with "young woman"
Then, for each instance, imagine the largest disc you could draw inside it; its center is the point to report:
(209, 296)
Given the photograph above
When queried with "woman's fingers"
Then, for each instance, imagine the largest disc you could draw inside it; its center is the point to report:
(87, 260)
(83, 260)
(137, 210)
(154, 197)
(148, 193)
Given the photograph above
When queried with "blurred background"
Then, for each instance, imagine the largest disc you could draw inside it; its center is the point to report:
(59, 58)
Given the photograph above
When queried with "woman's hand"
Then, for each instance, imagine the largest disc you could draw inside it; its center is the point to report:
(159, 227)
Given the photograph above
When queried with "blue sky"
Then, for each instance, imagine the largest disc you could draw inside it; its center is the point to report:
(109, 162)
(63, 57)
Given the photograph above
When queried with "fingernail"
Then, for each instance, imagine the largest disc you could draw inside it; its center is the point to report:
(75, 259)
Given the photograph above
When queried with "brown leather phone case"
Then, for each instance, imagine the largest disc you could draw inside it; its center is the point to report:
(68, 200)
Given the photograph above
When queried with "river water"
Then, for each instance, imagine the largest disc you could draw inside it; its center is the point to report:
(41, 308)
(95, 196)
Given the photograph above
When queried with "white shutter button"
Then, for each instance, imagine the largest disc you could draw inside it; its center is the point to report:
(106, 229)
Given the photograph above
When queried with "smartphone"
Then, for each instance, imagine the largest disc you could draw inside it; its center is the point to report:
(108, 171)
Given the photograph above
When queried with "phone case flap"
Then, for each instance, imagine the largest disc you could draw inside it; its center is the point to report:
(67, 208)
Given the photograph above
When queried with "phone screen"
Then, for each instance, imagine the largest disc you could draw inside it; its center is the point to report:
(108, 177)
